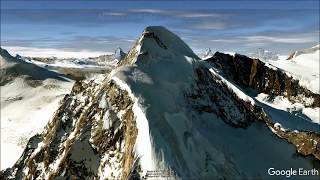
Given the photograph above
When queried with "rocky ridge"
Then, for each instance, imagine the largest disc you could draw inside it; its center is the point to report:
(256, 75)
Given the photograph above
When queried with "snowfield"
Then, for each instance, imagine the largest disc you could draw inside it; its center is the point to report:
(304, 67)
(29, 97)
(25, 111)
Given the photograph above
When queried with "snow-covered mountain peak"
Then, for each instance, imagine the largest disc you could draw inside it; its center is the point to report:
(119, 54)
(207, 54)
(157, 41)
(158, 36)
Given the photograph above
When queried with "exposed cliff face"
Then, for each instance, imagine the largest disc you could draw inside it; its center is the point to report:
(210, 95)
(254, 74)
(209, 92)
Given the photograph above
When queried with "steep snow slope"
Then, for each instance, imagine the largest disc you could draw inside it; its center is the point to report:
(161, 69)
(162, 109)
(303, 66)
(29, 96)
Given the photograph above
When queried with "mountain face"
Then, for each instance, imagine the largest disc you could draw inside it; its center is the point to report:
(163, 109)
(255, 74)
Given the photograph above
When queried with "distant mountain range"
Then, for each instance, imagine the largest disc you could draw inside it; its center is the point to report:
(304, 51)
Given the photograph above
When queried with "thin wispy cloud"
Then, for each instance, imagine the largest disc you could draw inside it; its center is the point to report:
(256, 39)
(114, 14)
(198, 15)
(177, 13)
(292, 39)
(208, 26)
(151, 11)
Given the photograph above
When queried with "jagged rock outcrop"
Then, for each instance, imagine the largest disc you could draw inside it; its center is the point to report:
(255, 74)
(210, 94)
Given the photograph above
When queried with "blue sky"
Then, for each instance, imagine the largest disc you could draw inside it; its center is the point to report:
(101, 26)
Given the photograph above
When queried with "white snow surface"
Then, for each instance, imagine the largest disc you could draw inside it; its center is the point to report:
(25, 111)
(304, 67)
